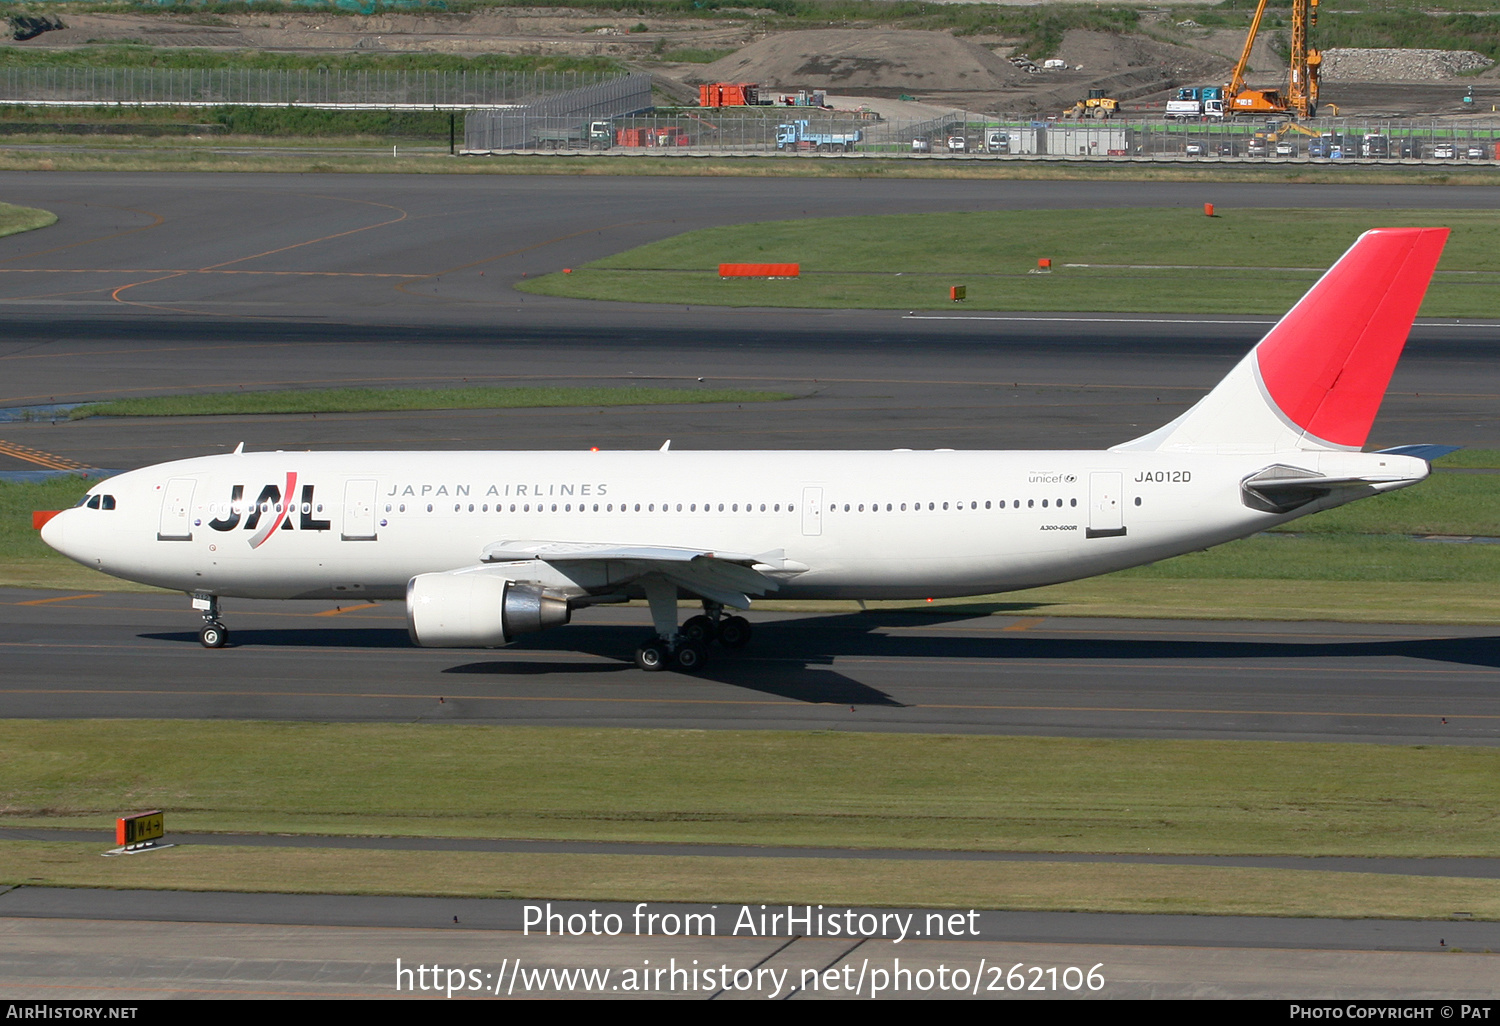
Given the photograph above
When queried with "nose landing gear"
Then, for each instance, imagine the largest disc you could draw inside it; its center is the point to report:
(213, 634)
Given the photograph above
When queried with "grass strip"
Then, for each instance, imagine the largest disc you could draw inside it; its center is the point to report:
(14, 219)
(1038, 886)
(372, 400)
(818, 788)
(221, 154)
(1286, 600)
(1137, 261)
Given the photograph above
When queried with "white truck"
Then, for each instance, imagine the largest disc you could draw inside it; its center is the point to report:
(1207, 102)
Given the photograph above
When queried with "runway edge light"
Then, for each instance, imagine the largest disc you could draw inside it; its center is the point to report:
(140, 832)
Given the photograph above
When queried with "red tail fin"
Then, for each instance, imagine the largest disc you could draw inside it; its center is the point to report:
(1327, 363)
(1316, 380)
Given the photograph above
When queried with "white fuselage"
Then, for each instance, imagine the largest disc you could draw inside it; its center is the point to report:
(903, 524)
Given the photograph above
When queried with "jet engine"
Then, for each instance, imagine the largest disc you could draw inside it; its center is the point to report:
(477, 610)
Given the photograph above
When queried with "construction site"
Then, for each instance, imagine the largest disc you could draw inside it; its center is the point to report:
(1172, 89)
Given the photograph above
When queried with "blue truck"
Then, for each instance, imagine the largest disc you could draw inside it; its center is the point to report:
(795, 136)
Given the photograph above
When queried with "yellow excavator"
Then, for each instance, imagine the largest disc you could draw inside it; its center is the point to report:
(1301, 98)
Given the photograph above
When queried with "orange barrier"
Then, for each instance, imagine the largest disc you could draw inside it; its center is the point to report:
(760, 270)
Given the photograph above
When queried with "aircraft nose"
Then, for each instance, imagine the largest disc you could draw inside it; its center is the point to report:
(55, 532)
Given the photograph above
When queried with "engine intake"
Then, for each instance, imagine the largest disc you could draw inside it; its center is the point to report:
(476, 610)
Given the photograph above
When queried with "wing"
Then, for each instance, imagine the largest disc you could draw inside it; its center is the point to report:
(729, 578)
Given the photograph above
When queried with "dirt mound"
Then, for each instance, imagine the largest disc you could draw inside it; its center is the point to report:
(1106, 53)
(850, 60)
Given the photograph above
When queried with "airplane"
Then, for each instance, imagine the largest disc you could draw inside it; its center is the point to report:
(485, 547)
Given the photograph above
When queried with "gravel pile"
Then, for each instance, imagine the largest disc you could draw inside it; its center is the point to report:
(1400, 65)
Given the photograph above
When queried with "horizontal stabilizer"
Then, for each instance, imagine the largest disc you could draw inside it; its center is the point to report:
(1421, 452)
(1281, 489)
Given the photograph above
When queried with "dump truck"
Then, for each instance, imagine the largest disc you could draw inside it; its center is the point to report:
(794, 135)
(593, 135)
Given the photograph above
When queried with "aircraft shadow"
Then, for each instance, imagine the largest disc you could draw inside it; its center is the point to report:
(793, 659)
(813, 681)
(300, 637)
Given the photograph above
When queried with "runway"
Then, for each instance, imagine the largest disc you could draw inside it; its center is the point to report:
(115, 655)
(132, 945)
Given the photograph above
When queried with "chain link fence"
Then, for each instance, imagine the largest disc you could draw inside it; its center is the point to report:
(303, 87)
(574, 119)
(750, 131)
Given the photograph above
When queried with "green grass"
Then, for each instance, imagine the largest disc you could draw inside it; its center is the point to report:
(1372, 558)
(129, 55)
(1462, 504)
(1055, 886)
(1236, 262)
(14, 220)
(824, 788)
(1486, 459)
(691, 55)
(369, 400)
(66, 153)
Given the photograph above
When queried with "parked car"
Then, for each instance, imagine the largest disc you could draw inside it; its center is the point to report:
(1474, 153)
(1317, 148)
(921, 145)
(1227, 149)
(1286, 149)
(1444, 151)
(1194, 149)
(1257, 148)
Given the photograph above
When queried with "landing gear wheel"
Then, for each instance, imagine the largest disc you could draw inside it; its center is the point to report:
(213, 635)
(690, 656)
(734, 632)
(699, 628)
(652, 656)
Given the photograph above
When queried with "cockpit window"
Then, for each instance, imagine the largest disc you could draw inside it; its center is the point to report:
(93, 502)
(109, 502)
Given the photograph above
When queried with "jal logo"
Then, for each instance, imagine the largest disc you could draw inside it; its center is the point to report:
(269, 514)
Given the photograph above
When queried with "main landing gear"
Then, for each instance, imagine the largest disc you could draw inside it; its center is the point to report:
(213, 634)
(686, 649)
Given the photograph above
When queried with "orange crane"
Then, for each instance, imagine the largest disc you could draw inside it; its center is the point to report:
(1301, 96)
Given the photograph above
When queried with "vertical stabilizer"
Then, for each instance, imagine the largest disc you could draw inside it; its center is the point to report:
(1316, 380)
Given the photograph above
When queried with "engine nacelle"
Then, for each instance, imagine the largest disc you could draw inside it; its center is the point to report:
(477, 610)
